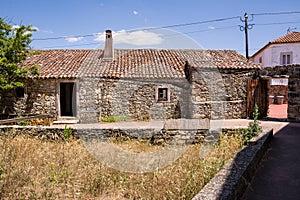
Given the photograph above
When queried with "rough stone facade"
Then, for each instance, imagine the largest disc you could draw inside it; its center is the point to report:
(294, 98)
(220, 94)
(137, 99)
(39, 98)
(210, 94)
(134, 99)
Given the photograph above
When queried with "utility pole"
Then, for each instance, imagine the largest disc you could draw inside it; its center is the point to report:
(245, 29)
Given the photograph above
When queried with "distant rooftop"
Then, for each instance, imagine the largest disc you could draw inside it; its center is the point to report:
(288, 38)
(293, 37)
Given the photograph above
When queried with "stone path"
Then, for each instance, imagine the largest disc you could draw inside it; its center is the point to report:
(233, 123)
(278, 176)
(278, 111)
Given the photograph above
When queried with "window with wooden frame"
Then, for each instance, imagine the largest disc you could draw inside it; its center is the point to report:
(162, 94)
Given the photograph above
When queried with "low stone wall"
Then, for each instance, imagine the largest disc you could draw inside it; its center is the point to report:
(155, 136)
(232, 180)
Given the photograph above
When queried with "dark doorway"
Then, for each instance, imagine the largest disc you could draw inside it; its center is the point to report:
(67, 99)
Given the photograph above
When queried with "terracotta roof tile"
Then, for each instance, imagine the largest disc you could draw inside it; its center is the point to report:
(133, 63)
(288, 38)
(57, 63)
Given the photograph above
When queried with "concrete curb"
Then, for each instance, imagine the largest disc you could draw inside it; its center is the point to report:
(232, 180)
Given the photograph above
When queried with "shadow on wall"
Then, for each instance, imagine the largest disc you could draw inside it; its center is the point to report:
(8, 99)
(15, 102)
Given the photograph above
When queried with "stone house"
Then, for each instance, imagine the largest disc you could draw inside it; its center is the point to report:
(136, 84)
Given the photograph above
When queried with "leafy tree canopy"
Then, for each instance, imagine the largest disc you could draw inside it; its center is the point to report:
(14, 47)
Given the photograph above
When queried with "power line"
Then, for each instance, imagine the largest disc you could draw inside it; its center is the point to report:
(145, 29)
(203, 30)
(174, 25)
(277, 13)
(193, 23)
(65, 37)
(168, 35)
(277, 23)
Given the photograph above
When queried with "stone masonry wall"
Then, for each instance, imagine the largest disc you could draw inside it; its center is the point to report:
(294, 98)
(39, 98)
(136, 99)
(220, 94)
(89, 97)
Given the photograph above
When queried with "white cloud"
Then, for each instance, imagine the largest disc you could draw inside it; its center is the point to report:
(135, 12)
(211, 27)
(137, 38)
(74, 39)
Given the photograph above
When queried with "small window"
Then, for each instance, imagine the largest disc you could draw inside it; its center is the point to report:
(162, 94)
(286, 58)
(260, 60)
(20, 92)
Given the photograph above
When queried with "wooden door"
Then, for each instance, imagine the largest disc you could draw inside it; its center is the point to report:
(257, 93)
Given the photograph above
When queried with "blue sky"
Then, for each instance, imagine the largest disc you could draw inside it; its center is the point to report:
(70, 18)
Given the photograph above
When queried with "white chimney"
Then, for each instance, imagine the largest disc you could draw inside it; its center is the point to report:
(108, 49)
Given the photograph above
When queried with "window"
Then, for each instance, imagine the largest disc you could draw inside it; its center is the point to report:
(286, 58)
(260, 60)
(162, 94)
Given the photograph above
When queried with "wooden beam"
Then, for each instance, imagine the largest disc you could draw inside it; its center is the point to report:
(13, 120)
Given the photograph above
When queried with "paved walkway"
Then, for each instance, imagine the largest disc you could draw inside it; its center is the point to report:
(278, 176)
(232, 123)
(278, 111)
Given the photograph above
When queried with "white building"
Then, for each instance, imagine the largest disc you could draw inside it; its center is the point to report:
(282, 51)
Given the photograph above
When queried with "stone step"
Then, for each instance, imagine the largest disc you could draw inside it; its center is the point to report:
(66, 121)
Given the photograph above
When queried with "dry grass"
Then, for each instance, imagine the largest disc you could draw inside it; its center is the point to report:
(36, 169)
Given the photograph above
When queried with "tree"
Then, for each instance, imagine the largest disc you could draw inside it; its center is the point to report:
(14, 47)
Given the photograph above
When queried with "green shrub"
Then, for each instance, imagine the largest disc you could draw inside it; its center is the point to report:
(23, 123)
(115, 119)
(254, 128)
(67, 132)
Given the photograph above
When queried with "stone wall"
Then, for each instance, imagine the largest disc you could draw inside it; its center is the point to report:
(39, 98)
(89, 100)
(209, 94)
(155, 136)
(294, 98)
(232, 180)
(220, 94)
(136, 99)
